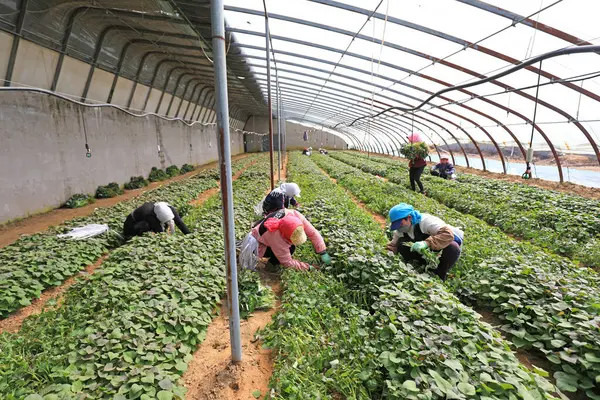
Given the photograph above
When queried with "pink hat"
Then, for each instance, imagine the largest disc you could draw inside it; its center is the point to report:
(415, 138)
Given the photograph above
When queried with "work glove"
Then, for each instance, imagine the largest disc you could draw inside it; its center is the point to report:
(419, 246)
(326, 258)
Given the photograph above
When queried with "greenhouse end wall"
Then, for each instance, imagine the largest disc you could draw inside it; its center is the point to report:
(44, 156)
(294, 137)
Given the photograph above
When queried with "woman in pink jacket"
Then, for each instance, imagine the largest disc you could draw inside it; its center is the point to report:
(279, 234)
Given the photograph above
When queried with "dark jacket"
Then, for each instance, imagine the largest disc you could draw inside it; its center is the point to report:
(143, 219)
(446, 169)
(276, 200)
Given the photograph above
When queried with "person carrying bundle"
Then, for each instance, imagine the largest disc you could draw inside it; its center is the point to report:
(426, 231)
(444, 169)
(153, 217)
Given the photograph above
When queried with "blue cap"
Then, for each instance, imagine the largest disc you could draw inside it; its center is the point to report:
(399, 212)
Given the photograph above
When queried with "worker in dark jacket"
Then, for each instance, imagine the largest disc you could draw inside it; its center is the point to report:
(426, 232)
(282, 197)
(444, 169)
(153, 217)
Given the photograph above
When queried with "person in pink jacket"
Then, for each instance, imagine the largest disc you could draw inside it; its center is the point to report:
(279, 234)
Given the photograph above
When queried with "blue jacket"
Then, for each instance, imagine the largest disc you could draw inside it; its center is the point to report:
(447, 168)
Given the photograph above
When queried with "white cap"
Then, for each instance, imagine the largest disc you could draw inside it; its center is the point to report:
(163, 212)
(290, 189)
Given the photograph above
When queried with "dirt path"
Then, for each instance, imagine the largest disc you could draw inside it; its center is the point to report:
(11, 231)
(211, 374)
(382, 221)
(14, 321)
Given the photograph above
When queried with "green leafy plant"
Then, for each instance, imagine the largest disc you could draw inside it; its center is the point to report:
(111, 190)
(136, 182)
(185, 168)
(157, 175)
(79, 200)
(414, 150)
(253, 294)
(173, 171)
(547, 304)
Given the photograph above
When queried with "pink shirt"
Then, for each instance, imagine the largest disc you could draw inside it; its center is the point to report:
(281, 246)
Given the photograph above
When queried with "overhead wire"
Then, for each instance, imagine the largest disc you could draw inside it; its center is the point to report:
(343, 54)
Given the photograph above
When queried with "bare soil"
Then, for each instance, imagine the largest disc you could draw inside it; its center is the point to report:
(13, 322)
(11, 231)
(211, 374)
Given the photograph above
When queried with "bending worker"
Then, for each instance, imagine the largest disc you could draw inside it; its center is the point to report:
(281, 197)
(444, 169)
(153, 217)
(425, 231)
(280, 233)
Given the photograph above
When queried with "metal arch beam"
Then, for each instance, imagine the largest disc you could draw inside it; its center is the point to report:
(339, 99)
(328, 108)
(354, 139)
(386, 97)
(82, 9)
(331, 100)
(417, 99)
(465, 43)
(197, 102)
(187, 86)
(442, 108)
(191, 100)
(427, 77)
(15, 43)
(514, 17)
(177, 87)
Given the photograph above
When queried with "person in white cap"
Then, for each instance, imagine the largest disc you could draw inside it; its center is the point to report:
(444, 169)
(282, 197)
(153, 217)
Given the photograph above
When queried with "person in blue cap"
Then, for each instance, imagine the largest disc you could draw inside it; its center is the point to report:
(426, 231)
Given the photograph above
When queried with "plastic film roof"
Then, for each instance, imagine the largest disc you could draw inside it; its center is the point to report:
(337, 61)
(340, 60)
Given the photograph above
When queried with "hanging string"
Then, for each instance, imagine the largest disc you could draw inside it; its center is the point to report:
(579, 102)
(529, 159)
(88, 152)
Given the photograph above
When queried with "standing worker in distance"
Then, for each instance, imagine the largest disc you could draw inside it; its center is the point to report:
(444, 169)
(425, 231)
(153, 217)
(416, 165)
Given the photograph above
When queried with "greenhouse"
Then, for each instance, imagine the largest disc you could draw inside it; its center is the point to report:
(300, 199)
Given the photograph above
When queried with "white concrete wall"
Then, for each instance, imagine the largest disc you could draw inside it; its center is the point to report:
(294, 136)
(6, 40)
(72, 77)
(34, 65)
(42, 148)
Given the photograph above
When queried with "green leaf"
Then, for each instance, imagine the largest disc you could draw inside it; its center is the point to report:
(164, 395)
(76, 386)
(566, 382)
(166, 384)
(466, 388)
(256, 394)
(441, 383)
(34, 397)
(557, 343)
(411, 386)
(181, 366)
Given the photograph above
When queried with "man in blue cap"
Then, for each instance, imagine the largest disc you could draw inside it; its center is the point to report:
(426, 232)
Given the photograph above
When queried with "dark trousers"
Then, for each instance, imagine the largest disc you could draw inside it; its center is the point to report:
(440, 174)
(415, 177)
(448, 258)
(272, 259)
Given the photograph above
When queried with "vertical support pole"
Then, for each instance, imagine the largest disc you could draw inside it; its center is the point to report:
(224, 144)
(278, 123)
(270, 104)
(15, 44)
